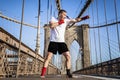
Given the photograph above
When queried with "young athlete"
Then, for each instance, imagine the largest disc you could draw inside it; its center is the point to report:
(57, 40)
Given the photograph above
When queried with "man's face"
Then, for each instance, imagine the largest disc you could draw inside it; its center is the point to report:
(62, 15)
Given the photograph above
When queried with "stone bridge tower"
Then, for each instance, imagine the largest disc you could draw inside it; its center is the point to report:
(78, 33)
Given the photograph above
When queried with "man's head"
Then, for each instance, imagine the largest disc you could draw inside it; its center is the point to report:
(62, 14)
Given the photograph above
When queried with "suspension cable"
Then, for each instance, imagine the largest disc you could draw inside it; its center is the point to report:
(55, 10)
(78, 8)
(98, 31)
(117, 23)
(16, 21)
(94, 36)
(50, 8)
(113, 44)
(106, 25)
(83, 10)
(58, 4)
(90, 45)
(47, 11)
(107, 29)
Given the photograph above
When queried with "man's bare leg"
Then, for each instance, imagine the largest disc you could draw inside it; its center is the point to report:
(68, 63)
(46, 62)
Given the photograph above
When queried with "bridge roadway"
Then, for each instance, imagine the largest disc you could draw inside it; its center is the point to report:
(59, 77)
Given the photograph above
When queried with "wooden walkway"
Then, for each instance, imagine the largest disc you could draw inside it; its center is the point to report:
(58, 77)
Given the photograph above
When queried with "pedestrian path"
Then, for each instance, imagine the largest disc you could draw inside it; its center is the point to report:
(59, 77)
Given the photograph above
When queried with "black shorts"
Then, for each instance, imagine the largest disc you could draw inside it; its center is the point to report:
(57, 46)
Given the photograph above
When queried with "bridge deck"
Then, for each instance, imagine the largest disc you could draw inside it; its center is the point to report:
(59, 77)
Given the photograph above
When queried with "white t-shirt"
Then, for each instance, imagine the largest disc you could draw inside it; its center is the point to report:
(57, 33)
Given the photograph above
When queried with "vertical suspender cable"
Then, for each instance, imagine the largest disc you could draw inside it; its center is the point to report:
(53, 59)
(94, 37)
(96, 51)
(107, 29)
(118, 69)
(98, 31)
(20, 38)
(117, 24)
(50, 8)
(99, 36)
(47, 11)
(55, 10)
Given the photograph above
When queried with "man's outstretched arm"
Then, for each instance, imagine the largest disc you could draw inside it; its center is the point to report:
(79, 19)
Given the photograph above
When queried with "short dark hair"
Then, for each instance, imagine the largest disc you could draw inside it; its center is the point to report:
(62, 10)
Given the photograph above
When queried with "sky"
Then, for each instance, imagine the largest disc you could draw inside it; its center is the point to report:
(13, 9)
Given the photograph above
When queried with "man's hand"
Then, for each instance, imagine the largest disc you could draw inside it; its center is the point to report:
(85, 17)
(60, 22)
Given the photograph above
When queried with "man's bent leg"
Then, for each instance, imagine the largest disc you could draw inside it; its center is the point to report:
(68, 63)
(46, 62)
